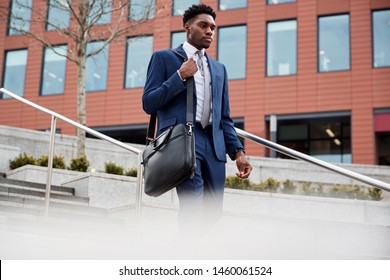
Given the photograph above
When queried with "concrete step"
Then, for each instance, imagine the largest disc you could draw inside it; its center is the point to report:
(37, 186)
(31, 203)
(61, 221)
(21, 191)
(72, 229)
(233, 237)
(22, 206)
(56, 216)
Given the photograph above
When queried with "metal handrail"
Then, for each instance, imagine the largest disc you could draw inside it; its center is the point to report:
(315, 161)
(56, 116)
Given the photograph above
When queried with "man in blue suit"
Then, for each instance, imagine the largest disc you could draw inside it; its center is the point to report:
(165, 94)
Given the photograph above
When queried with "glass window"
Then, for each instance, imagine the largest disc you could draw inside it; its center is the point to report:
(20, 16)
(381, 35)
(54, 68)
(139, 51)
(334, 49)
(15, 71)
(100, 12)
(179, 7)
(383, 148)
(232, 50)
(178, 38)
(282, 48)
(58, 15)
(232, 4)
(325, 138)
(274, 2)
(124, 133)
(141, 9)
(96, 69)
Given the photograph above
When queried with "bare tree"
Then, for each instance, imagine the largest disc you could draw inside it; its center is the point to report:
(80, 22)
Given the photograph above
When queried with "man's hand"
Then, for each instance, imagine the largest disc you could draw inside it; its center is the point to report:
(188, 68)
(243, 165)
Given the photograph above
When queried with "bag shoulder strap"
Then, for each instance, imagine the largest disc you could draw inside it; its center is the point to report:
(190, 106)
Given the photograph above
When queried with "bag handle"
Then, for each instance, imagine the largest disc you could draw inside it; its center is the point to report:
(190, 106)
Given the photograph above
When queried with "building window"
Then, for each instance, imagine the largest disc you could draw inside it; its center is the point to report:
(275, 2)
(20, 16)
(381, 36)
(178, 38)
(54, 68)
(15, 71)
(382, 135)
(133, 133)
(100, 13)
(141, 9)
(232, 4)
(282, 48)
(383, 147)
(232, 50)
(334, 43)
(96, 68)
(57, 15)
(179, 7)
(139, 51)
(324, 137)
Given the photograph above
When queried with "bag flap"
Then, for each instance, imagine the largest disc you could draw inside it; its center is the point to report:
(162, 138)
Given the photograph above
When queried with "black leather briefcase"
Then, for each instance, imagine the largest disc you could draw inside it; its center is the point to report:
(169, 160)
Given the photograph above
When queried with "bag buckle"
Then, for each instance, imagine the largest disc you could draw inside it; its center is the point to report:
(190, 126)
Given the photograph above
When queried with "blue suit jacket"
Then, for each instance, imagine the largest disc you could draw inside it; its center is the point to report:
(165, 95)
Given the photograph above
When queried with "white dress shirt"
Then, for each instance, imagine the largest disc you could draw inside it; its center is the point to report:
(199, 81)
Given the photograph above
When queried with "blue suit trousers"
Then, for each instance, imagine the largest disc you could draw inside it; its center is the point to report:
(201, 198)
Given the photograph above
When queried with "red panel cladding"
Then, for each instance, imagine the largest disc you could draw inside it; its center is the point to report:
(382, 122)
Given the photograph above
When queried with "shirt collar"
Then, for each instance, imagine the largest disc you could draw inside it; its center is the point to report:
(190, 49)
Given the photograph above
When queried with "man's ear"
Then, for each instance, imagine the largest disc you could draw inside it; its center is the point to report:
(186, 27)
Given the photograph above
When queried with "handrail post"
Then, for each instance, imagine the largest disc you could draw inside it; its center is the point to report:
(138, 191)
(50, 164)
(273, 126)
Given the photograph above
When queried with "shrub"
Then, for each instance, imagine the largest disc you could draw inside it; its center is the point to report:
(132, 172)
(269, 185)
(235, 182)
(79, 163)
(112, 168)
(346, 191)
(289, 187)
(58, 161)
(375, 194)
(307, 188)
(320, 189)
(21, 160)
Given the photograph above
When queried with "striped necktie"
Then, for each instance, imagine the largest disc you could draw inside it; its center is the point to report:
(207, 97)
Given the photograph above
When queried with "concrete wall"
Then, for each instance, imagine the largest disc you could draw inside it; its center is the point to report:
(7, 153)
(283, 169)
(36, 143)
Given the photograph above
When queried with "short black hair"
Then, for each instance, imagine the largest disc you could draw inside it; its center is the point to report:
(195, 10)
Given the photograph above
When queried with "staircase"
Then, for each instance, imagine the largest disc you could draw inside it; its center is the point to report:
(74, 229)
(22, 206)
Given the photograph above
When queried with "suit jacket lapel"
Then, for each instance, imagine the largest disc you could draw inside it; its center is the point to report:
(182, 51)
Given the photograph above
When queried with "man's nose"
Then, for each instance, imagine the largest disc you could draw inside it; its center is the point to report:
(209, 31)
